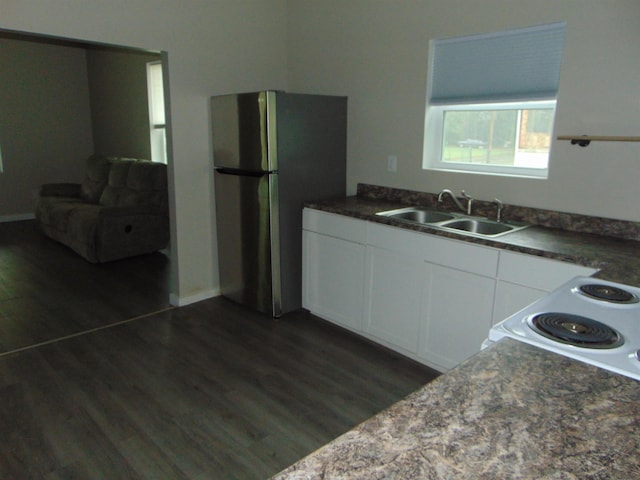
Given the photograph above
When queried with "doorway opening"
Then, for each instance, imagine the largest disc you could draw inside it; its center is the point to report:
(62, 100)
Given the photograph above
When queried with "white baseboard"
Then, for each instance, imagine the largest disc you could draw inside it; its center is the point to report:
(17, 217)
(178, 301)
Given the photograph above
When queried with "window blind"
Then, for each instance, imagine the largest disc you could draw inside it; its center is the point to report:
(513, 65)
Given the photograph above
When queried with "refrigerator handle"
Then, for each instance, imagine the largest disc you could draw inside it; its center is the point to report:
(241, 172)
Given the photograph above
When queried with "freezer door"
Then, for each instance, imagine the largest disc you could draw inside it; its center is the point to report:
(244, 131)
(248, 272)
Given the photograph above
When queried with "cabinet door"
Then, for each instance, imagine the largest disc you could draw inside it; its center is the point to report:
(393, 295)
(457, 315)
(511, 297)
(333, 278)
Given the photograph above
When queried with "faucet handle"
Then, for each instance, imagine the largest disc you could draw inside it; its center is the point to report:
(500, 205)
(469, 200)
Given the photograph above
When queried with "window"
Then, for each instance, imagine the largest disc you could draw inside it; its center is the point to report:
(491, 101)
(157, 123)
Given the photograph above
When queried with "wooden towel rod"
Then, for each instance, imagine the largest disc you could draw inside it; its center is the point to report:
(584, 140)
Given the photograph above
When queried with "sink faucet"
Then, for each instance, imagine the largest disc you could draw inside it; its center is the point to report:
(500, 205)
(469, 200)
(456, 201)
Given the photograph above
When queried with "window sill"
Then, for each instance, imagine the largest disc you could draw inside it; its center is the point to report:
(537, 176)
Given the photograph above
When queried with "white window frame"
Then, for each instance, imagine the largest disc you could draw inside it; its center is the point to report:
(157, 119)
(513, 69)
(434, 140)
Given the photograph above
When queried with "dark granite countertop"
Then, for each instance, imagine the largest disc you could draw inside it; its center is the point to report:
(617, 259)
(513, 411)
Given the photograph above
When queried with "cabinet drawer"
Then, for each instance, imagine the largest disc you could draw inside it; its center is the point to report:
(538, 272)
(442, 251)
(338, 226)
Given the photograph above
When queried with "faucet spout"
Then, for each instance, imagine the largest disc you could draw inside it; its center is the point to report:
(455, 200)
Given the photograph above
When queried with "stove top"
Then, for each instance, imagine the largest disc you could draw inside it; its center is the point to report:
(590, 320)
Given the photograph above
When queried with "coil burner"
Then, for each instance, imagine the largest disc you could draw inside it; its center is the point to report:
(576, 330)
(608, 293)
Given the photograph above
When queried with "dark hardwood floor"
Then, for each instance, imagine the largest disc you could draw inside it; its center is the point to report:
(205, 391)
(93, 387)
(48, 292)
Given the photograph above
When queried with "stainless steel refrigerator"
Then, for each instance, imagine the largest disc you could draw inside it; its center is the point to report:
(272, 151)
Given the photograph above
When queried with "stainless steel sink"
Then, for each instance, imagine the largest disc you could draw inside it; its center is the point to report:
(481, 227)
(418, 215)
(453, 222)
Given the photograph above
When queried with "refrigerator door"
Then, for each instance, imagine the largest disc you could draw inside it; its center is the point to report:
(244, 131)
(246, 239)
(246, 191)
(266, 167)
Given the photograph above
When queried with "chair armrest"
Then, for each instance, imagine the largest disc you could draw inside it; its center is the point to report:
(60, 190)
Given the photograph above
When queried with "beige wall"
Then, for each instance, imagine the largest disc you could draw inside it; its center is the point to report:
(213, 47)
(119, 102)
(45, 124)
(375, 51)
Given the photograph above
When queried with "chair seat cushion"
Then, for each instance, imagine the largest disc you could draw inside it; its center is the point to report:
(55, 211)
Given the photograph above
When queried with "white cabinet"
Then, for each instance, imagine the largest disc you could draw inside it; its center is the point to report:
(523, 279)
(457, 315)
(333, 267)
(394, 275)
(511, 297)
(430, 298)
(393, 292)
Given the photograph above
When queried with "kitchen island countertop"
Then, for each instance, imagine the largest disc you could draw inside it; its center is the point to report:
(513, 411)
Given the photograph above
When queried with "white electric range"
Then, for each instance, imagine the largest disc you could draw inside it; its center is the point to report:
(588, 319)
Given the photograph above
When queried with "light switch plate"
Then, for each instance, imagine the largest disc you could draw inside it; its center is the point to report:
(392, 163)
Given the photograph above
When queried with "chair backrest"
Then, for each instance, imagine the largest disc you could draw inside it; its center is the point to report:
(96, 178)
(136, 182)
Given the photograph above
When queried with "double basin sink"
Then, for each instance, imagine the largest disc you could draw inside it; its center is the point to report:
(453, 222)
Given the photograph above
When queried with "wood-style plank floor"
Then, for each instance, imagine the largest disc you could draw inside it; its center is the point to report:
(47, 291)
(205, 391)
